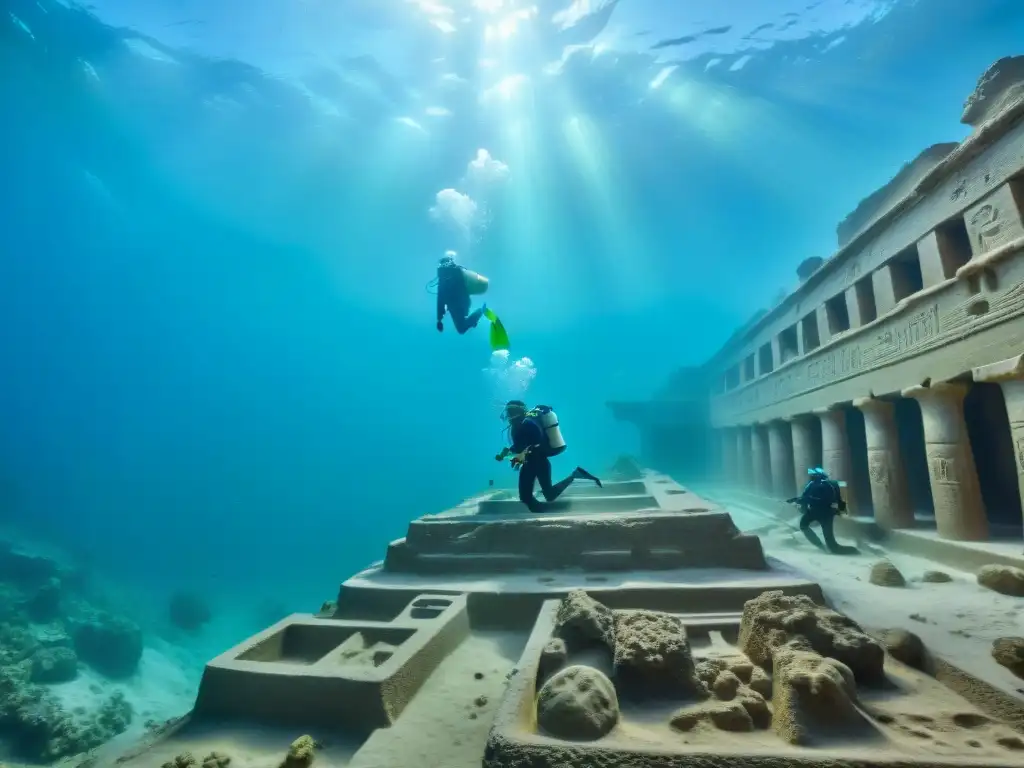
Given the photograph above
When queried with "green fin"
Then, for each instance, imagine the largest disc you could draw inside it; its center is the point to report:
(489, 314)
(499, 337)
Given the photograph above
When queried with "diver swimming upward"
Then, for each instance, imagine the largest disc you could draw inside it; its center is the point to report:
(455, 285)
(535, 438)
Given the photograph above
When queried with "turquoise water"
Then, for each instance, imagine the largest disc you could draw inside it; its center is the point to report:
(220, 371)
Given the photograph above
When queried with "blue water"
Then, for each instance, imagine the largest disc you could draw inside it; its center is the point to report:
(219, 367)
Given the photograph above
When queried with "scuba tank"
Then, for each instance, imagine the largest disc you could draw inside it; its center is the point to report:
(475, 282)
(547, 420)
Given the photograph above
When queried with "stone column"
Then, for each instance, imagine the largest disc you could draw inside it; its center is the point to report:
(956, 492)
(835, 452)
(727, 441)
(743, 457)
(890, 493)
(761, 459)
(805, 448)
(780, 446)
(1009, 375)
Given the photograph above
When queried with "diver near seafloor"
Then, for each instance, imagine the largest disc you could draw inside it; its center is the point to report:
(535, 438)
(821, 500)
(455, 285)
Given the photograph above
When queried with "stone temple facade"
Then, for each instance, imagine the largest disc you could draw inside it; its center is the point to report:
(897, 364)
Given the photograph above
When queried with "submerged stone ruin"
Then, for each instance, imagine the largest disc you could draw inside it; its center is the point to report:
(629, 626)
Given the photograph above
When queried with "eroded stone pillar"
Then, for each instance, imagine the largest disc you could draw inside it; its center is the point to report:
(890, 494)
(805, 447)
(744, 466)
(835, 452)
(956, 492)
(780, 448)
(727, 443)
(1009, 375)
(761, 456)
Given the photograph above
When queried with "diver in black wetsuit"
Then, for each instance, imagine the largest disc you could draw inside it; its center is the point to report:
(453, 294)
(532, 449)
(821, 500)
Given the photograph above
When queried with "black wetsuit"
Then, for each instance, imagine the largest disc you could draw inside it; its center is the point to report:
(821, 500)
(452, 293)
(537, 467)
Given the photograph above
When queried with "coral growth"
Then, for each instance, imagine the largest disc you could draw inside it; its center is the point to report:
(301, 753)
(652, 653)
(43, 610)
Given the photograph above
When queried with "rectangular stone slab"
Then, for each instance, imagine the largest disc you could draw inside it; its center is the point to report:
(538, 535)
(316, 671)
(573, 504)
(511, 601)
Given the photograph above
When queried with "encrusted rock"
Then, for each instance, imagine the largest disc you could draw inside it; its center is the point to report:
(725, 686)
(577, 703)
(54, 665)
(811, 692)
(808, 267)
(773, 620)
(182, 760)
(651, 651)
(216, 760)
(582, 622)
(936, 577)
(1009, 651)
(885, 574)
(997, 88)
(300, 753)
(553, 657)
(747, 711)
(1004, 579)
(903, 646)
(109, 644)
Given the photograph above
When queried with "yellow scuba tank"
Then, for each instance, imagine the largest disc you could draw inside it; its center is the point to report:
(475, 282)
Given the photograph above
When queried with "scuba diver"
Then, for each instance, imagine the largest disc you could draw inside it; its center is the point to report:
(821, 500)
(535, 438)
(455, 284)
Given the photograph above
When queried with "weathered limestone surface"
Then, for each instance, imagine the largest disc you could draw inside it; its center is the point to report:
(805, 447)
(1001, 85)
(885, 197)
(835, 452)
(780, 442)
(1009, 374)
(956, 492)
(761, 459)
(890, 495)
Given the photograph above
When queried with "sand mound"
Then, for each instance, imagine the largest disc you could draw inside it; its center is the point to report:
(582, 622)
(1004, 579)
(885, 574)
(1009, 652)
(577, 703)
(652, 654)
(936, 577)
(773, 620)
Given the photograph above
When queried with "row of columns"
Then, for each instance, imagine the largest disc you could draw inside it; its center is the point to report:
(773, 457)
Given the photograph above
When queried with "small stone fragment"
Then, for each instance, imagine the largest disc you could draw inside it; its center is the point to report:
(553, 657)
(1004, 579)
(904, 646)
(1009, 652)
(885, 574)
(726, 685)
(578, 703)
(300, 753)
(582, 622)
(731, 716)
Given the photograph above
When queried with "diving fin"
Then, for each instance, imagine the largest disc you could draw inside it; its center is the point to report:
(499, 337)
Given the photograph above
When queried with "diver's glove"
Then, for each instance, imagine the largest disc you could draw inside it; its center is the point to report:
(440, 326)
(519, 459)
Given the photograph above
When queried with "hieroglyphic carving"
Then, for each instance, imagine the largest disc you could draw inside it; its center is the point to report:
(906, 333)
(878, 467)
(987, 227)
(834, 364)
